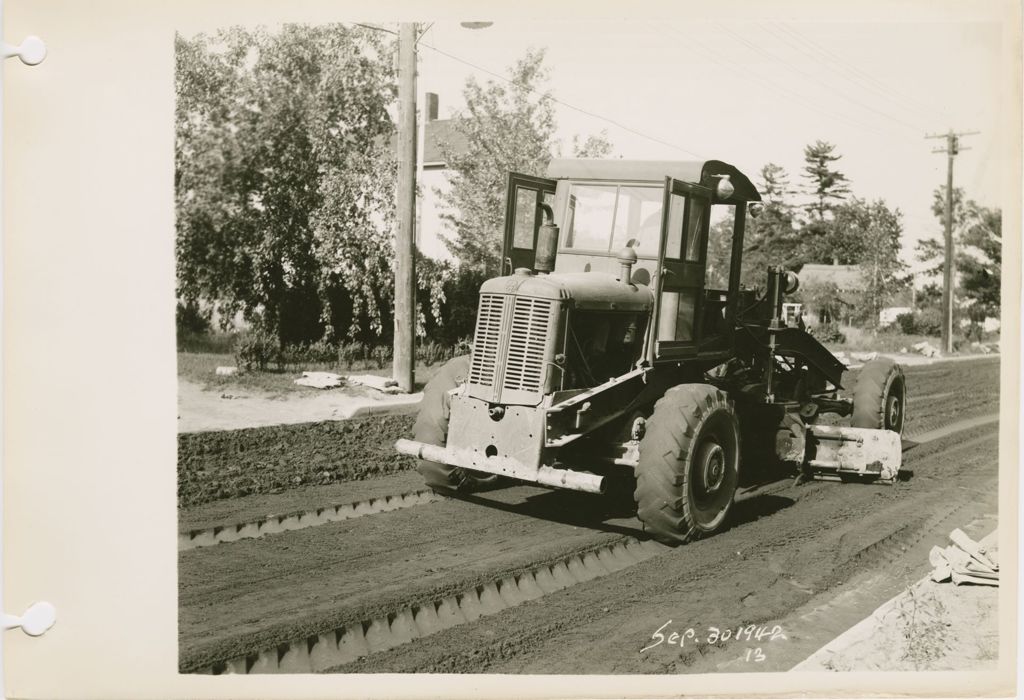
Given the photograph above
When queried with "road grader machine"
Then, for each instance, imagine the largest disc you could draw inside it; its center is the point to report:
(619, 350)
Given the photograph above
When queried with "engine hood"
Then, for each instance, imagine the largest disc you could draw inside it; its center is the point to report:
(582, 290)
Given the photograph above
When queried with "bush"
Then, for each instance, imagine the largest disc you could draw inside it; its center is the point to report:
(256, 350)
(351, 353)
(905, 322)
(828, 333)
(213, 342)
(190, 319)
(926, 322)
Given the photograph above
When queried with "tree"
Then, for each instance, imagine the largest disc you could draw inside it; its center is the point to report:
(825, 299)
(978, 240)
(868, 234)
(771, 238)
(775, 187)
(826, 185)
(284, 178)
(506, 127)
(981, 267)
(593, 146)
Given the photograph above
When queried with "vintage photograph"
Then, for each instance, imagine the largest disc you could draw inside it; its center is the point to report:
(589, 346)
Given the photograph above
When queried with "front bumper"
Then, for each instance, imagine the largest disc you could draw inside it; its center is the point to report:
(470, 459)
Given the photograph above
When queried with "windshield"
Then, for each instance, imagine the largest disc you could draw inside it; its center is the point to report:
(604, 218)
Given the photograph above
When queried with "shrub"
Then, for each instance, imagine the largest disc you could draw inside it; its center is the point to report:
(213, 342)
(190, 319)
(828, 333)
(256, 349)
(382, 355)
(906, 324)
(925, 322)
(929, 322)
(322, 352)
(351, 353)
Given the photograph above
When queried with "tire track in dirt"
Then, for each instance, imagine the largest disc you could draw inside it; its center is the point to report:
(255, 594)
(327, 649)
(298, 520)
(741, 576)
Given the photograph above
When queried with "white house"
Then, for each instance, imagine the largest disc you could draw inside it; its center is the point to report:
(432, 174)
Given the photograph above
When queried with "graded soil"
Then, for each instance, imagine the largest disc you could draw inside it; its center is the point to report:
(269, 460)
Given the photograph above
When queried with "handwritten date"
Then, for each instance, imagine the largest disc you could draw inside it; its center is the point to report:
(715, 635)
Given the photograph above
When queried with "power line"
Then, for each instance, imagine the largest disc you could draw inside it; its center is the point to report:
(548, 95)
(810, 76)
(840, 69)
(379, 29)
(909, 104)
(711, 53)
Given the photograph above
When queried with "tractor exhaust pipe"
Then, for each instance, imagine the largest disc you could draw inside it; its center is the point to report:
(547, 476)
(547, 243)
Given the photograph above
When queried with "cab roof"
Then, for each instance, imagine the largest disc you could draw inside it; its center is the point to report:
(699, 172)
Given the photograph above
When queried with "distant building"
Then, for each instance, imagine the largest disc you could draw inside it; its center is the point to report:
(432, 173)
(901, 303)
(849, 280)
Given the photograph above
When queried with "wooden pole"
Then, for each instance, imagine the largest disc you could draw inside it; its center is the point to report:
(952, 149)
(405, 264)
(947, 269)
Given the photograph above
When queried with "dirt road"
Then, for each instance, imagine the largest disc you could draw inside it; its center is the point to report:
(799, 565)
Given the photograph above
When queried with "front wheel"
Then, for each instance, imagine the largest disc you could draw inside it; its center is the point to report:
(689, 464)
(431, 427)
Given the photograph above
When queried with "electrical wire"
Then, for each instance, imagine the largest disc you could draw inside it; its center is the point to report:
(883, 89)
(775, 59)
(547, 95)
(379, 29)
(710, 54)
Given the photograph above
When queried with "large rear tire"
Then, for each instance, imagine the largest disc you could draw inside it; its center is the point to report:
(689, 464)
(431, 427)
(880, 397)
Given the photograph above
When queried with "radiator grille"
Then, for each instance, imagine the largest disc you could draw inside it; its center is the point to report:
(485, 340)
(524, 363)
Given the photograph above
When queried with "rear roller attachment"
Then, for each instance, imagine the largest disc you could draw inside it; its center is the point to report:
(835, 452)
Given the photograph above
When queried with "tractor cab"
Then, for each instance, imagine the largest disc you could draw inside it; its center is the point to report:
(661, 210)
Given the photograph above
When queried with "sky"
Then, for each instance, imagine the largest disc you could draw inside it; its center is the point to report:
(753, 92)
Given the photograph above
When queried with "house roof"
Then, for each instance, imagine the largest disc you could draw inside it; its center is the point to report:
(846, 278)
(436, 133)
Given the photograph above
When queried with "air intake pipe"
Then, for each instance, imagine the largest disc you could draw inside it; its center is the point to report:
(547, 243)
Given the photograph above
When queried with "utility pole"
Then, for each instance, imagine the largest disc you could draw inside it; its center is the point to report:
(405, 263)
(949, 267)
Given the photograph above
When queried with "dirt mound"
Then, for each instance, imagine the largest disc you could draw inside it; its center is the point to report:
(233, 463)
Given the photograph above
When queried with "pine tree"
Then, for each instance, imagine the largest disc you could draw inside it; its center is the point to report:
(826, 185)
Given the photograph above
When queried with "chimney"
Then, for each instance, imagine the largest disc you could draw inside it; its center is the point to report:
(431, 106)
